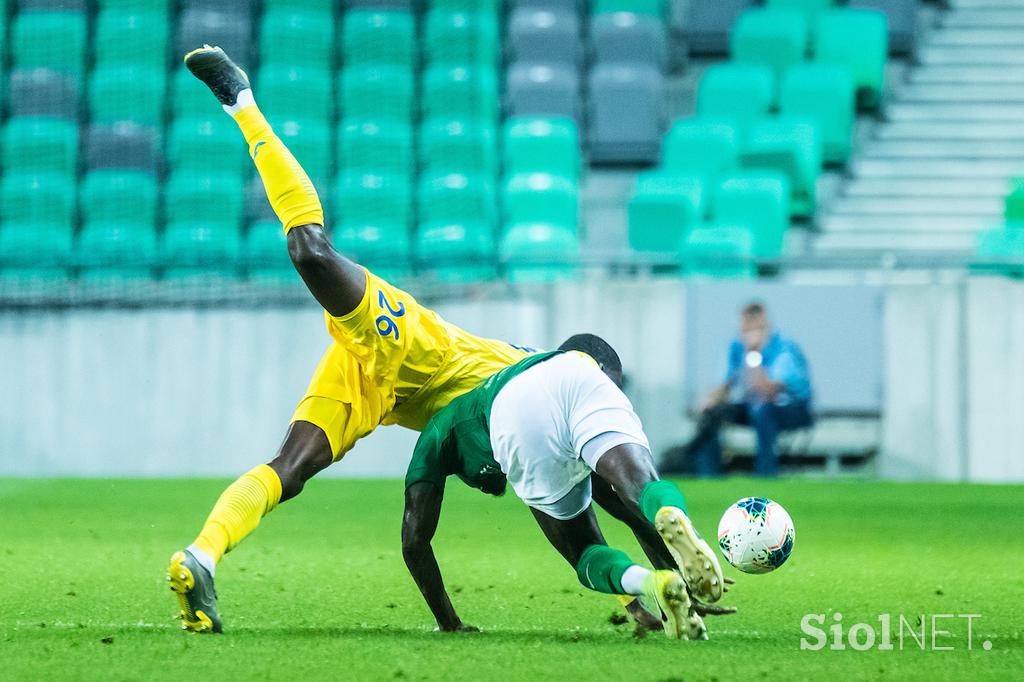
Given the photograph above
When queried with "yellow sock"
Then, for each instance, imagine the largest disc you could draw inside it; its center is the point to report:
(289, 189)
(239, 510)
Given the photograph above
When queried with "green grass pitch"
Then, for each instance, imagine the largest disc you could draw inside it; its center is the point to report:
(320, 591)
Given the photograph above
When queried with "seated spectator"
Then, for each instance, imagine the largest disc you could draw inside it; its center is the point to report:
(767, 387)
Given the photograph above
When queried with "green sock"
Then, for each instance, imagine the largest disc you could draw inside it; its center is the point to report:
(658, 494)
(601, 568)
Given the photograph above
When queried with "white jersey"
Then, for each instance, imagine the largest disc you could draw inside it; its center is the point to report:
(542, 421)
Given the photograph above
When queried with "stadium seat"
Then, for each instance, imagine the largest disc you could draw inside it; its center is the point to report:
(540, 198)
(700, 147)
(720, 251)
(824, 94)
(194, 247)
(456, 198)
(191, 99)
(322, 6)
(119, 196)
(399, 5)
(35, 247)
(122, 145)
(707, 24)
(1014, 204)
(655, 8)
(1003, 249)
(471, 6)
(124, 248)
(543, 90)
(664, 208)
(460, 92)
(375, 147)
(759, 200)
(266, 252)
(362, 200)
(629, 37)
(42, 92)
(379, 38)
(297, 38)
(136, 36)
(230, 29)
(458, 38)
(809, 8)
(51, 40)
(459, 145)
(37, 198)
(458, 252)
(740, 92)
(294, 93)
(902, 20)
(379, 93)
(40, 144)
(774, 37)
(858, 40)
(206, 145)
(544, 36)
(111, 99)
(309, 140)
(207, 199)
(539, 252)
(626, 113)
(542, 145)
(792, 146)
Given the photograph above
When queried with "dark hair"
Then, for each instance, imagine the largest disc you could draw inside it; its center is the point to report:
(753, 309)
(595, 347)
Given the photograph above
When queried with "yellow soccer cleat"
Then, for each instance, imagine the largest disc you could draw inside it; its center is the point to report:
(696, 560)
(665, 595)
(197, 600)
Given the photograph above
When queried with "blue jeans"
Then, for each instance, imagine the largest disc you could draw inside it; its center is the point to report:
(767, 419)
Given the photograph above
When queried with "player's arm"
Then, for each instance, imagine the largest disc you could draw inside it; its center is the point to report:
(336, 282)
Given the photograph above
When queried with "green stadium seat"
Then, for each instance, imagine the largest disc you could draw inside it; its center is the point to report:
(1001, 251)
(857, 39)
(119, 196)
(161, 6)
(206, 145)
(468, 6)
(39, 246)
(381, 93)
(539, 252)
(737, 92)
(458, 145)
(37, 198)
(362, 201)
(191, 99)
(542, 145)
(322, 6)
(701, 147)
(386, 248)
(297, 37)
(137, 36)
(371, 146)
(40, 144)
(655, 8)
(309, 141)
(266, 251)
(460, 92)
(381, 38)
(664, 208)
(456, 198)
(720, 251)
(128, 93)
(792, 146)
(458, 252)
(117, 245)
(540, 198)
(295, 93)
(53, 40)
(461, 38)
(759, 200)
(774, 37)
(811, 9)
(204, 198)
(825, 94)
(195, 247)
(1014, 203)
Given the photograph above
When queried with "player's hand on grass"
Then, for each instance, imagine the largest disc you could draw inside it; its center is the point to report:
(457, 627)
(644, 619)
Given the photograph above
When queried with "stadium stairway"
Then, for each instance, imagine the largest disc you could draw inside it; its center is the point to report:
(934, 171)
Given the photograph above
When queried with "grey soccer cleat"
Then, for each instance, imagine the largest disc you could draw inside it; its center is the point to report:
(197, 599)
(224, 78)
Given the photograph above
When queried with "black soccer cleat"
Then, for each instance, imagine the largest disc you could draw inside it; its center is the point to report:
(224, 78)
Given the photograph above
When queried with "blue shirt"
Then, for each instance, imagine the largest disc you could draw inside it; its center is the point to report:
(783, 362)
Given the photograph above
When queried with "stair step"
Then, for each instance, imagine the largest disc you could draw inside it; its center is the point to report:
(921, 169)
(912, 130)
(997, 93)
(946, 150)
(985, 17)
(902, 188)
(898, 111)
(885, 241)
(981, 56)
(970, 75)
(992, 37)
(917, 206)
(899, 222)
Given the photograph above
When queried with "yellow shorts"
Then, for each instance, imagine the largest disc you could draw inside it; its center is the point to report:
(394, 361)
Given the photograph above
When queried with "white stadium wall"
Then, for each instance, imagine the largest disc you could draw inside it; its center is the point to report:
(208, 392)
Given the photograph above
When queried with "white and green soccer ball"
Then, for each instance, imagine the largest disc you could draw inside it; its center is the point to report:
(756, 535)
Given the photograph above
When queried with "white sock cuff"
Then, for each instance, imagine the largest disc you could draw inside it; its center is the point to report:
(633, 579)
(204, 559)
(245, 99)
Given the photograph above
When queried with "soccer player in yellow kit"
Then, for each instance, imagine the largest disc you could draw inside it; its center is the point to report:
(392, 360)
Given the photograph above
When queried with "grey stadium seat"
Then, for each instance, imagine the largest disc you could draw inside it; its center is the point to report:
(626, 113)
(42, 92)
(122, 145)
(707, 24)
(229, 30)
(902, 15)
(628, 37)
(576, 6)
(544, 36)
(543, 90)
(235, 6)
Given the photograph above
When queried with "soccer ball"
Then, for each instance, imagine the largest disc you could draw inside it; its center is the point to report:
(756, 535)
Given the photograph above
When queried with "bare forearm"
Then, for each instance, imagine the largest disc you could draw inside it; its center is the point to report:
(424, 569)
